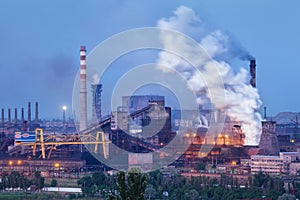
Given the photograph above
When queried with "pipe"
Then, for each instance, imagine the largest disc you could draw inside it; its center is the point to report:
(2, 117)
(36, 112)
(8, 118)
(29, 113)
(22, 115)
(16, 115)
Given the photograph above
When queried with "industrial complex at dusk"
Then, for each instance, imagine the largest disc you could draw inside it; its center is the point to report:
(69, 146)
(152, 104)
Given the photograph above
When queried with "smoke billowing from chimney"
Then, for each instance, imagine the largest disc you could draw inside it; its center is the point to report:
(242, 100)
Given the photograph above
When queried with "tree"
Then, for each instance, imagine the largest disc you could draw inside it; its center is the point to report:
(201, 166)
(39, 181)
(87, 186)
(192, 195)
(132, 188)
(287, 197)
(150, 192)
(99, 179)
(53, 183)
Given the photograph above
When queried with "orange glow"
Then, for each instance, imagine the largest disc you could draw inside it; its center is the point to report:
(10, 163)
(226, 136)
(161, 155)
(187, 135)
(194, 134)
(56, 165)
(233, 162)
(220, 135)
(19, 162)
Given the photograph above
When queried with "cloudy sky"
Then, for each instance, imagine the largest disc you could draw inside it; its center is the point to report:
(40, 43)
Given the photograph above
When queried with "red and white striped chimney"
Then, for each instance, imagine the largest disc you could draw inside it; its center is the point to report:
(83, 91)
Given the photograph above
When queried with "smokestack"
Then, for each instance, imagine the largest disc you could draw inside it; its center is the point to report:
(2, 118)
(8, 118)
(16, 115)
(253, 73)
(36, 112)
(265, 113)
(29, 113)
(22, 115)
(83, 92)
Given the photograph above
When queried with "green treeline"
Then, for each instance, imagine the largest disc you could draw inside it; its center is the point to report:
(136, 186)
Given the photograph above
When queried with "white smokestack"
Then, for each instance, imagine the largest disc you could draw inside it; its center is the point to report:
(242, 100)
(83, 91)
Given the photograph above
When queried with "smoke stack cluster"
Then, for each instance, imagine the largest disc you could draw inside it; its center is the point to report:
(15, 119)
(83, 91)
(253, 73)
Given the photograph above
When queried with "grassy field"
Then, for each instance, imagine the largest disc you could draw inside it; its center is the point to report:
(62, 182)
(29, 196)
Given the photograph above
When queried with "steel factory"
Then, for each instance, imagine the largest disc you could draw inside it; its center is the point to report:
(71, 146)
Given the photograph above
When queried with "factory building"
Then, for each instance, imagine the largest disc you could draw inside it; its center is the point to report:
(286, 162)
(268, 164)
(151, 122)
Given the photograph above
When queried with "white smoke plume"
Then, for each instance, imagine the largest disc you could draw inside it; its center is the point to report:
(242, 100)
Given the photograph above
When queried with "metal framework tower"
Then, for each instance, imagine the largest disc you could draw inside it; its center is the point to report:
(96, 109)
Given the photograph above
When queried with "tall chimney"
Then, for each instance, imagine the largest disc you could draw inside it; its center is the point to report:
(36, 112)
(265, 113)
(16, 115)
(8, 118)
(29, 113)
(2, 117)
(253, 73)
(22, 115)
(83, 92)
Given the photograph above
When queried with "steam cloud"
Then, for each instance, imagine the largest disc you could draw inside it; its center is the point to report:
(242, 100)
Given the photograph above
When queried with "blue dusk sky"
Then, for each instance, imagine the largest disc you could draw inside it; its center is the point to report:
(40, 43)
